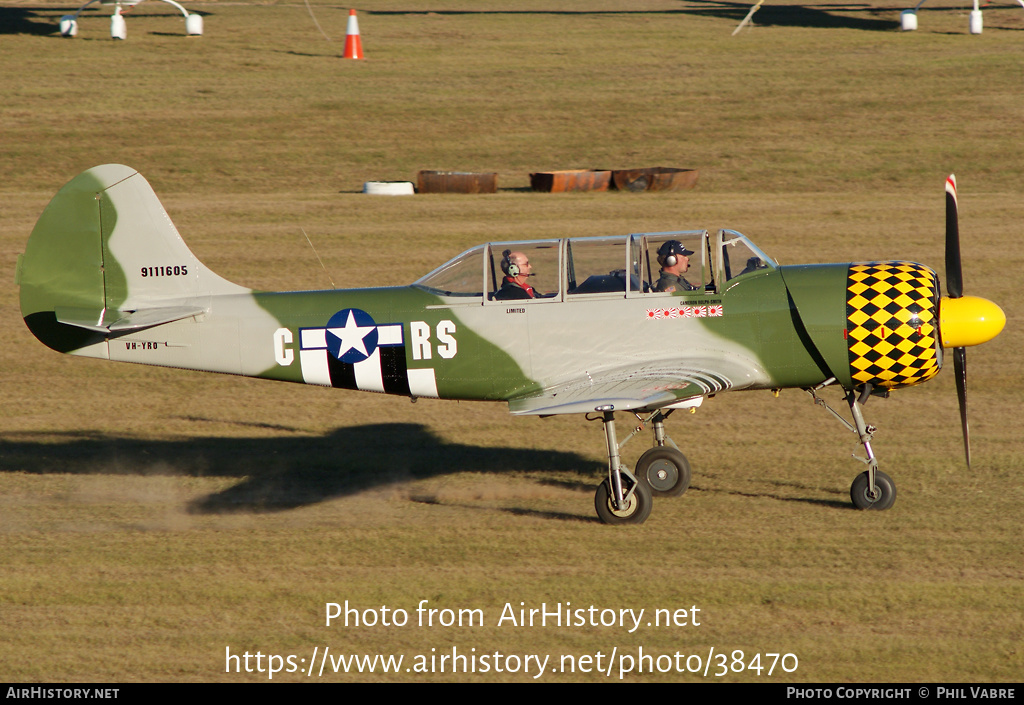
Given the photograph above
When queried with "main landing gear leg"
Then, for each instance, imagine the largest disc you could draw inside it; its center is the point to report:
(872, 489)
(664, 469)
(620, 498)
(658, 421)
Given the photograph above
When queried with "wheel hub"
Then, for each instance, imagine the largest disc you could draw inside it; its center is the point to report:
(629, 506)
(663, 474)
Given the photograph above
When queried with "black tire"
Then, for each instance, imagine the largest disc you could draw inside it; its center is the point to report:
(665, 470)
(862, 499)
(638, 507)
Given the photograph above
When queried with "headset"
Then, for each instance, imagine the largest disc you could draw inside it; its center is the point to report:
(508, 266)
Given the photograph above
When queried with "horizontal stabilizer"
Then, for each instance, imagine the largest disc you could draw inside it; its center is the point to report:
(104, 321)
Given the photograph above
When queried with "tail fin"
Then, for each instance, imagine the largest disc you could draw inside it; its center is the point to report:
(105, 257)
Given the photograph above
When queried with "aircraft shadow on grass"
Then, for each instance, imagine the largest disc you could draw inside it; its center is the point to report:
(289, 472)
(282, 473)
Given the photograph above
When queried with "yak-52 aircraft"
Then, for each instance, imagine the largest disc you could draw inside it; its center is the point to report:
(105, 274)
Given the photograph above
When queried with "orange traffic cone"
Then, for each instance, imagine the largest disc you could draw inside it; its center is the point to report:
(353, 42)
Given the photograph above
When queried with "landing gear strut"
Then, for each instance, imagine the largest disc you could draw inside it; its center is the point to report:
(662, 471)
(872, 489)
(620, 498)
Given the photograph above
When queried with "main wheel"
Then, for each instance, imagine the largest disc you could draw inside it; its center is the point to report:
(638, 506)
(665, 470)
(860, 492)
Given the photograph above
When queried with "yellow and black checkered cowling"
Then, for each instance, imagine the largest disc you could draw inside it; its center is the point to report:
(892, 323)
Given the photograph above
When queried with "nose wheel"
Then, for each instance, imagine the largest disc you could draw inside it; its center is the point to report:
(872, 489)
(881, 496)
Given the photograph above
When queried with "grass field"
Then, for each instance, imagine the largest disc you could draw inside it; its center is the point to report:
(151, 519)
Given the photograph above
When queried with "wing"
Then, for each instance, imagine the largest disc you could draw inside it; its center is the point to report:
(643, 387)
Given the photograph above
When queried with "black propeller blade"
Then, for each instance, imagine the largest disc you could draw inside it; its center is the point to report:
(954, 272)
(955, 288)
(960, 369)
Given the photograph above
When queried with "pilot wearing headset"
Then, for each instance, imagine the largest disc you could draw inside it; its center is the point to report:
(517, 269)
(674, 259)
